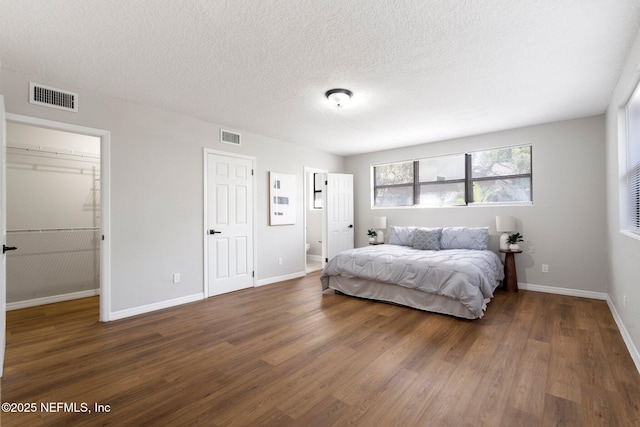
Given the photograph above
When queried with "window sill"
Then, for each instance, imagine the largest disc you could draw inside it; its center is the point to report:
(630, 234)
(472, 205)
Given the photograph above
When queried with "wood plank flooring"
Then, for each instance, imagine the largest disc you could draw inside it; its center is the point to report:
(287, 354)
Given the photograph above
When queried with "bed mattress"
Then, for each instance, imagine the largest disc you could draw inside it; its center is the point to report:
(459, 282)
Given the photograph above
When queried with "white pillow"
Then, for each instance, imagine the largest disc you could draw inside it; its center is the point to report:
(402, 236)
(465, 238)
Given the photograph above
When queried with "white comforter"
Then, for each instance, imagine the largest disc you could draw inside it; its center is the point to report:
(469, 276)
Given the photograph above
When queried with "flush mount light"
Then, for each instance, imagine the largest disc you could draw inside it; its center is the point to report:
(339, 96)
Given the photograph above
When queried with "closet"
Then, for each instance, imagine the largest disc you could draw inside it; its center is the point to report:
(53, 215)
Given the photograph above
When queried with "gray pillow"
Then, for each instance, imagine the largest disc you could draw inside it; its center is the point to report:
(427, 239)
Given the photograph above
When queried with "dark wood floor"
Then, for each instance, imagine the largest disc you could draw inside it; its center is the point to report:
(286, 354)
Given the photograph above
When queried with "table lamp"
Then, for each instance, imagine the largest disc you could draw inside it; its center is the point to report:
(380, 223)
(506, 225)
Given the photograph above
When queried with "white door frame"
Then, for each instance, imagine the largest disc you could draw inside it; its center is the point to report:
(205, 226)
(3, 234)
(105, 198)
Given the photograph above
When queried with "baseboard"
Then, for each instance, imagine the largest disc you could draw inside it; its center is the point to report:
(317, 258)
(633, 351)
(52, 299)
(271, 280)
(117, 315)
(635, 355)
(564, 291)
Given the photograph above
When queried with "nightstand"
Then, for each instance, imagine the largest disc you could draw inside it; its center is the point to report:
(510, 281)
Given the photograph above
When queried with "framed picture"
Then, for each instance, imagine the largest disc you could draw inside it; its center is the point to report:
(282, 199)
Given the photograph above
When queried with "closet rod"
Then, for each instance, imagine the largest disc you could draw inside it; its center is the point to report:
(40, 149)
(48, 230)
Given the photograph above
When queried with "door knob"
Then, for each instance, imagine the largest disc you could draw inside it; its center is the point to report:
(215, 232)
(6, 248)
(350, 225)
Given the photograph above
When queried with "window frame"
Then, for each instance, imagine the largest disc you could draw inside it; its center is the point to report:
(468, 180)
(630, 184)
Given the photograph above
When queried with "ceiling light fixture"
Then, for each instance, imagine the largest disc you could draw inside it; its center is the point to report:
(339, 96)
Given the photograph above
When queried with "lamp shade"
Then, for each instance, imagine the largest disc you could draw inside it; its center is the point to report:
(505, 223)
(379, 222)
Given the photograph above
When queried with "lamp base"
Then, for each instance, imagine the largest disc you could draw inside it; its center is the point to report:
(380, 236)
(504, 244)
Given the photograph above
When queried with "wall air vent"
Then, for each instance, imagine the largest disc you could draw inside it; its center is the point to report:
(52, 97)
(229, 137)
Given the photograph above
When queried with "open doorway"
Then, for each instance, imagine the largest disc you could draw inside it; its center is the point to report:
(57, 213)
(314, 219)
(53, 215)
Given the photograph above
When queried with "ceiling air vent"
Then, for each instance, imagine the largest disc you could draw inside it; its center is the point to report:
(52, 97)
(229, 137)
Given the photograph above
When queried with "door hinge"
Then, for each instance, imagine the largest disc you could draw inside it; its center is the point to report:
(253, 274)
(103, 237)
(326, 260)
(251, 172)
(326, 183)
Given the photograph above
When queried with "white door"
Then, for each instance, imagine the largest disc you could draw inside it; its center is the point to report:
(339, 203)
(3, 233)
(229, 223)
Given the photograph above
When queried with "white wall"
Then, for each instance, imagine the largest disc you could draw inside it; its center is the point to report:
(563, 228)
(157, 192)
(623, 251)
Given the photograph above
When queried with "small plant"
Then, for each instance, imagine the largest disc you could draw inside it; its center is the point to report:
(514, 238)
(371, 232)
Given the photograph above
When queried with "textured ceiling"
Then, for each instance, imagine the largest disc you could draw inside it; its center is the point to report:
(420, 70)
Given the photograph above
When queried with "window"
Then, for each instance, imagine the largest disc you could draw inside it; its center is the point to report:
(317, 191)
(441, 181)
(491, 176)
(393, 184)
(501, 176)
(633, 163)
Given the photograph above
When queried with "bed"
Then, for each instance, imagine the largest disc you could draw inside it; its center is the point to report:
(444, 270)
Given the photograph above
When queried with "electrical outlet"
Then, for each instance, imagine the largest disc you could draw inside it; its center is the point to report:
(545, 268)
(280, 261)
(176, 277)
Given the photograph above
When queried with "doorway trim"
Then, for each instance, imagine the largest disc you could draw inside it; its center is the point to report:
(205, 195)
(306, 171)
(105, 197)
